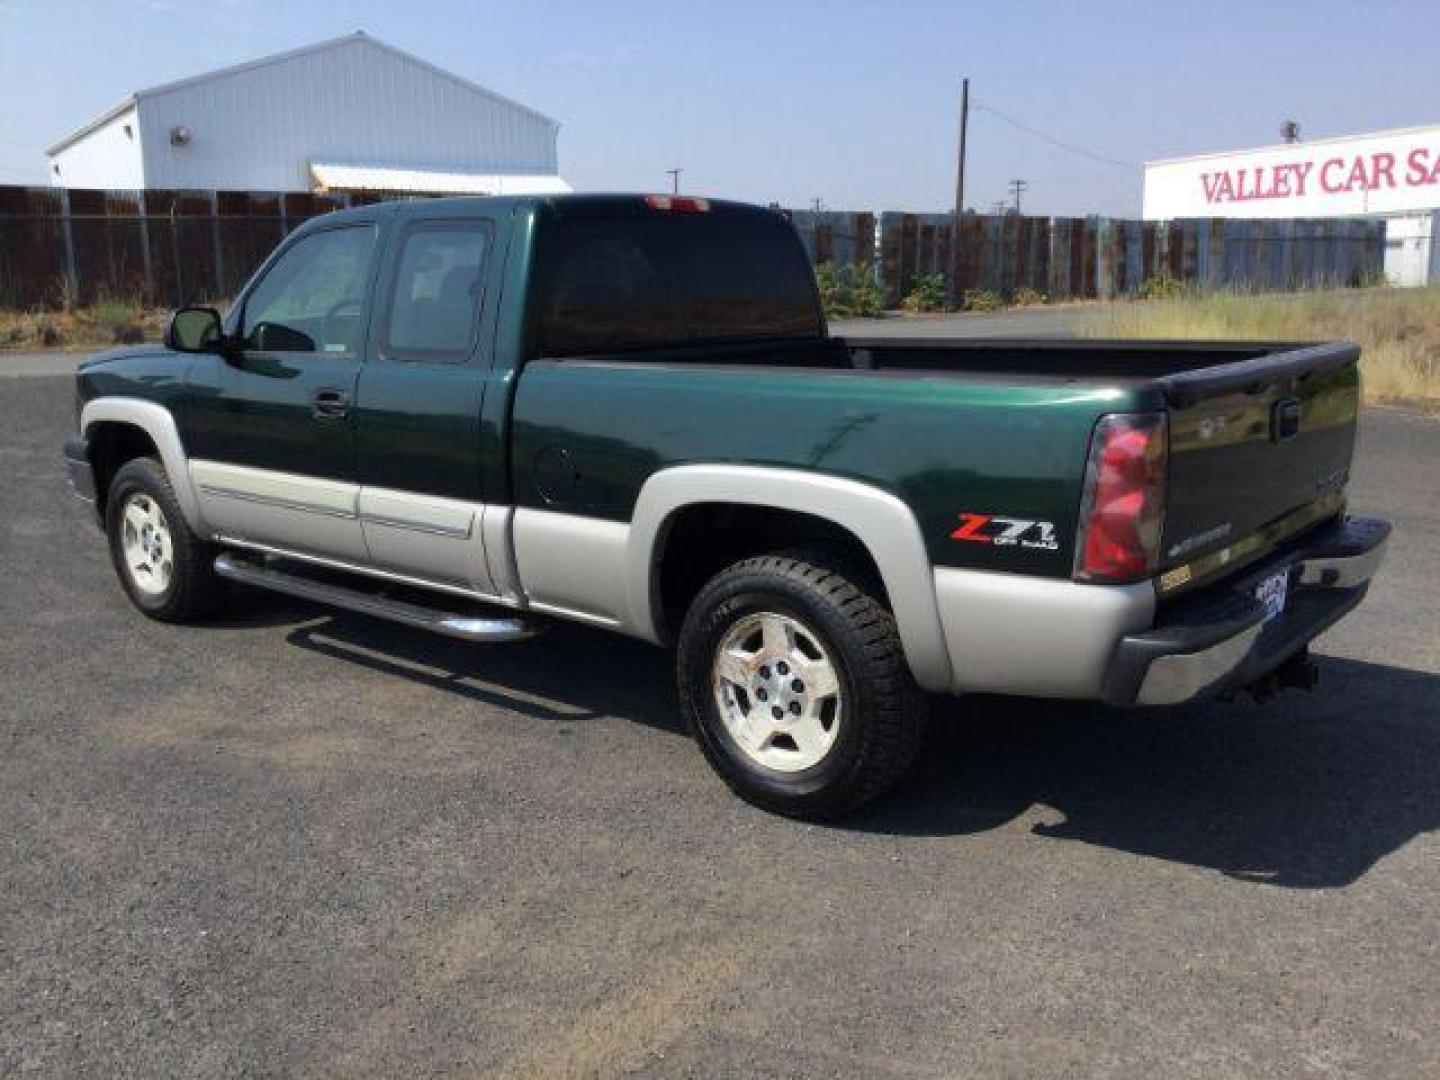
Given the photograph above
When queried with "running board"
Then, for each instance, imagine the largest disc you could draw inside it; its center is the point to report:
(466, 627)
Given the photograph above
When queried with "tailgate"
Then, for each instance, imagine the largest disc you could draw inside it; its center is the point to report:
(1259, 451)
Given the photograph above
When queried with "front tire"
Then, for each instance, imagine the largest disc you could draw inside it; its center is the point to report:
(795, 683)
(166, 570)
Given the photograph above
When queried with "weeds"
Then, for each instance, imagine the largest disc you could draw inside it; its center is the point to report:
(121, 318)
(927, 293)
(849, 290)
(1162, 287)
(109, 321)
(981, 300)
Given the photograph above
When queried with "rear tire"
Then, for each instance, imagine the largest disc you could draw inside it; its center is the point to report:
(166, 570)
(793, 677)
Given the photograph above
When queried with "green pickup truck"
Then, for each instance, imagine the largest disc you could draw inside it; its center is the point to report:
(477, 415)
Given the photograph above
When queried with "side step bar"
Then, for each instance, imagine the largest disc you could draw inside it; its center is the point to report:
(467, 627)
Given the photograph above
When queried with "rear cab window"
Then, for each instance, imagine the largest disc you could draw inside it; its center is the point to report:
(619, 283)
(433, 309)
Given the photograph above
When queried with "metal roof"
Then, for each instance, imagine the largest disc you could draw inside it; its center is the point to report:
(100, 121)
(330, 176)
(320, 46)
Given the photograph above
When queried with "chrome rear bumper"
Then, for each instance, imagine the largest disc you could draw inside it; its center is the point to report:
(1222, 641)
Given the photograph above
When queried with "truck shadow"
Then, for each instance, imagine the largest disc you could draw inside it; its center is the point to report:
(570, 673)
(1306, 791)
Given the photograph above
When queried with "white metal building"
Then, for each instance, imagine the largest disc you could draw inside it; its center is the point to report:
(1389, 174)
(349, 114)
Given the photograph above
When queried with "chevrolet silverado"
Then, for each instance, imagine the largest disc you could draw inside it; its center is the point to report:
(476, 415)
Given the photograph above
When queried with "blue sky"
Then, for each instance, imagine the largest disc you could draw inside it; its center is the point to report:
(853, 103)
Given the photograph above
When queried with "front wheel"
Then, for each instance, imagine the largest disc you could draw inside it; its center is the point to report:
(793, 677)
(166, 570)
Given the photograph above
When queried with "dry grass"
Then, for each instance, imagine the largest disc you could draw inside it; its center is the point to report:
(107, 322)
(1398, 330)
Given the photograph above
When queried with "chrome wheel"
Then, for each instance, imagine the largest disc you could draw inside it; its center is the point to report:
(147, 545)
(778, 691)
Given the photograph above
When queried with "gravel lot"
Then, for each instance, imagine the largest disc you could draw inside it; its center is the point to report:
(292, 842)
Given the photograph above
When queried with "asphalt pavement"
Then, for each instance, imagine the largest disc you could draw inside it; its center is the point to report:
(294, 842)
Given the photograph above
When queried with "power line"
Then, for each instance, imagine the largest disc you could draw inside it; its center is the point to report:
(1061, 143)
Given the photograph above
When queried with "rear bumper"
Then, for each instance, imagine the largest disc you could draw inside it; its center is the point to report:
(1220, 640)
(78, 468)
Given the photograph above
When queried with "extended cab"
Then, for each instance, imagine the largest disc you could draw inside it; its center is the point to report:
(475, 415)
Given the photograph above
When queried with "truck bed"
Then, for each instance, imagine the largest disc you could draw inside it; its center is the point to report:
(1183, 369)
(1126, 362)
(1260, 433)
(1242, 477)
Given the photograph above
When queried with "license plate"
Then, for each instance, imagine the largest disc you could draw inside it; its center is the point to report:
(1272, 591)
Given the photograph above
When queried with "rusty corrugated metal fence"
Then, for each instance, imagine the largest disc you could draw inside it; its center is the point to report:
(175, 247)
(167, 247)
(1098, 258)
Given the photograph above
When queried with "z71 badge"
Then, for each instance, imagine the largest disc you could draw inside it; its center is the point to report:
(1006, 531)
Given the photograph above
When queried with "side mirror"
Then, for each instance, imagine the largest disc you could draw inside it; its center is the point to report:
(195, 330)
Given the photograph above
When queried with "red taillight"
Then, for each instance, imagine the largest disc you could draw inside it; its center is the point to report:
(680, 204)
(1123, 508)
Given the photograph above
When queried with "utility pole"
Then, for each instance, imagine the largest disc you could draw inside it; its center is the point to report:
(817, 205)
(959, 191)
(1016, 188)
(675, 180)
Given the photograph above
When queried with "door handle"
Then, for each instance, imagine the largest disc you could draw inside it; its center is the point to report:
(330, 404)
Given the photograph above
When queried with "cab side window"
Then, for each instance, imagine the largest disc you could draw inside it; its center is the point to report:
(313, 298)
(435, 299)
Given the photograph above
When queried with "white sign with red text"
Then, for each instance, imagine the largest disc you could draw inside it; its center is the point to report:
(1385, 173)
